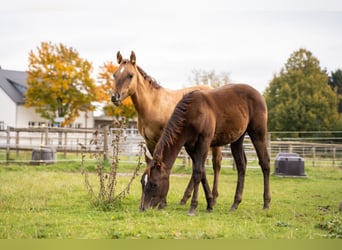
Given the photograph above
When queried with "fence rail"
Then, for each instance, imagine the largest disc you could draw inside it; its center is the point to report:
(317, 148)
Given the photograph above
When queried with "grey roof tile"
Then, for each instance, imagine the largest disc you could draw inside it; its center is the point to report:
(14, 84)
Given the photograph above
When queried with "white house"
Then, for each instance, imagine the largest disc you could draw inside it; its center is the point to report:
(12, 110)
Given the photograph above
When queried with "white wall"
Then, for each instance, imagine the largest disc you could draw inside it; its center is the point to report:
(19, 116)
(7, 110)
(89, 122)
(26, 115)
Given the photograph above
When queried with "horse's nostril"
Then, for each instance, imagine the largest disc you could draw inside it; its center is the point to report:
(116, 97)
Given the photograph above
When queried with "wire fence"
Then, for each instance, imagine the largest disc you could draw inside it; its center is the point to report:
(31, 144)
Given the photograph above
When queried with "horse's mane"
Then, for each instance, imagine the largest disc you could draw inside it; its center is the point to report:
(150, 79)
(175, 124)
(153, 82)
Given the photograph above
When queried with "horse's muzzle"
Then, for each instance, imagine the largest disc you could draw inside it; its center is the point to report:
(116, 99)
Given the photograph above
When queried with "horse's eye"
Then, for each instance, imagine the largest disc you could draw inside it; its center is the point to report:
(114, 75)
(130, 76)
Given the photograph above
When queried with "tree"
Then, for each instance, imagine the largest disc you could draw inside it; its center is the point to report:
(105, 80)
(59, 83)
(203, 77)
(299, 98)
(335, 82)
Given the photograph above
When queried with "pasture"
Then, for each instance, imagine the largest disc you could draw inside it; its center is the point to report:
(52, 203)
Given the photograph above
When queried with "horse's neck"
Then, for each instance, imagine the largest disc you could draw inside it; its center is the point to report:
(169, 153)
(145, 99)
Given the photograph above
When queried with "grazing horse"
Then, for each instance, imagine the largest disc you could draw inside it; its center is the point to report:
(203, 119)
(154, 105)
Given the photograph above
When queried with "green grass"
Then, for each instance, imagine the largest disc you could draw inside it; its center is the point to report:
(51, 202)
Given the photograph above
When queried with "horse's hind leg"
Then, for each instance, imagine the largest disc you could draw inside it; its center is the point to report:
(216, 159)
(260, 143)
(240, 160)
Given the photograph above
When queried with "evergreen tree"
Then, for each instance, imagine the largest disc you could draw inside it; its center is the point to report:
(299, 98)
(335, 81)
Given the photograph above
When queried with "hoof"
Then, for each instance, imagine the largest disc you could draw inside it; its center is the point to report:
(182, 203)
(191, 212)
(213, 203)
(232, 209)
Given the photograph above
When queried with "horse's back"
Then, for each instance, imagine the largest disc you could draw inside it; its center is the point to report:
(229, 111)
(232, 96)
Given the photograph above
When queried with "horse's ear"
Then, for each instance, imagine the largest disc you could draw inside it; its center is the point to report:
(118, 57)
(133, 58)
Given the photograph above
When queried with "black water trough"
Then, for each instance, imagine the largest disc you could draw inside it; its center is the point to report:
(289, 164)
(43, 155)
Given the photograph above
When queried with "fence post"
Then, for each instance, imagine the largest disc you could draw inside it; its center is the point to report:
(46, 136)
(105, 142)
(334, 156)
(65, 144)
(17, 143)
(290, 148)
(8, 139)
(77, 143)
(313, 156)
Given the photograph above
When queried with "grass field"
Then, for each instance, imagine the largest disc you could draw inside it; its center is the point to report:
(52, 202)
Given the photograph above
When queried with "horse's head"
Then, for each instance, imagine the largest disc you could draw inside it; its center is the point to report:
(125, 78)
(155, 185)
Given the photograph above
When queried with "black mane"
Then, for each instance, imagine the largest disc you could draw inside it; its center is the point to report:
(176, 122)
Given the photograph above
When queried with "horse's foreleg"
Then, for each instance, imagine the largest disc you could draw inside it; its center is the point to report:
(240, 160)
(216, 159)
(162, 204)
(196, 176)
(187, 192)
(198, 157)
(208, 194)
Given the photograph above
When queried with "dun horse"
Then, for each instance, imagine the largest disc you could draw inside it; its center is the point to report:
(209, 118)
(154, 105)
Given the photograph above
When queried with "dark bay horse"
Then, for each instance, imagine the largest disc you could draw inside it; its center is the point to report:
(203, 119)
(154, 105)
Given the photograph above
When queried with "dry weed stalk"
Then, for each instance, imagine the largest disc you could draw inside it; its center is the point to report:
(108, 177)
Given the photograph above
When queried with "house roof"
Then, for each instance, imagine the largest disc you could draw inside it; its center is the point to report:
(13, 83)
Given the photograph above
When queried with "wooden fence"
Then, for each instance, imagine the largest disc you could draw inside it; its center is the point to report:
(63, 140)
(15, 141)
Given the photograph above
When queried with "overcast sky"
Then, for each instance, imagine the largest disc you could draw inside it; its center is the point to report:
(249, 39)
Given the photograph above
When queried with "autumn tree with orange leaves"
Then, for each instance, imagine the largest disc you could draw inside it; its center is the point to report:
(59, 83)
(105, 80)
